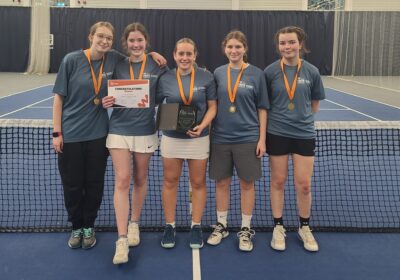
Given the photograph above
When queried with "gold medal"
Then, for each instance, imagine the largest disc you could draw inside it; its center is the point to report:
(96, 82)
(191, 88)
(232, 109)
(232, 94)
(96, 101)
(291, 90)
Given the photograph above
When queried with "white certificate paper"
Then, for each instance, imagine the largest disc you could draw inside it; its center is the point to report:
(130, 93)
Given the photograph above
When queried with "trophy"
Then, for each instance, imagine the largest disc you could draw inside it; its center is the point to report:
(176, 117)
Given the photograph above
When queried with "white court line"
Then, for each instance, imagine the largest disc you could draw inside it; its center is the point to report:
(323, 109)
(15, 93)
(365, 84)
(355, 95)
(353, 110)
(196, 264)
(41, 107)
(26, 107)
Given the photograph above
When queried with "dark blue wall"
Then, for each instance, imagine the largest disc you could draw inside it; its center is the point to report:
(207, 28)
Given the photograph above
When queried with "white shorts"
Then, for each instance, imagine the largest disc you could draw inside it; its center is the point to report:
(194, 148)
(138, 144)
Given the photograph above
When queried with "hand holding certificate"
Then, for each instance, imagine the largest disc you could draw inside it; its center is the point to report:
(130, 93)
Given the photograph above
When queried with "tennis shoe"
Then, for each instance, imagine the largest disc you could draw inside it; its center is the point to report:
(89, 238)
(196, 237)
(121, 251)
(245, 235)
(75, 239)
(168, 239)
(133, 234)
(219, 233)
(278, 238)
(305, 235)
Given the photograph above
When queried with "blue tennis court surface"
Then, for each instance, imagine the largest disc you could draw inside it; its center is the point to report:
(338, 106)
(34, 198)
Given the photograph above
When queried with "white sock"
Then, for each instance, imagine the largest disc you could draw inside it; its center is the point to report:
(172, 224)
(222, 217)
(195, 224)
(246, 220)
(134, 222)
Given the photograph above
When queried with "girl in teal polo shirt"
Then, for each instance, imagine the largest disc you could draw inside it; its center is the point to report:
(295, 90)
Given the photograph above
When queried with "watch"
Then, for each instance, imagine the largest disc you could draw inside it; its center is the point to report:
(56, 134)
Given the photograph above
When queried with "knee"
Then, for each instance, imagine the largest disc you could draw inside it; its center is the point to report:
(278, 183)
(122, 182)
(198, 184)
(171, 182)
(303, 187)
(140, 181)
(223, 185)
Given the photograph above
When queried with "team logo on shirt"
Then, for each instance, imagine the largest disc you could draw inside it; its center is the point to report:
(302, 81)
(195, 89)
(148, 76)
(244, 85)
(107, 75)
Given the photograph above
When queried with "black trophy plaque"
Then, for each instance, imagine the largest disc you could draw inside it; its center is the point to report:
(176, 117)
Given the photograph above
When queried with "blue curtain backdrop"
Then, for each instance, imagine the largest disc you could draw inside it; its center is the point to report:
(207, 28)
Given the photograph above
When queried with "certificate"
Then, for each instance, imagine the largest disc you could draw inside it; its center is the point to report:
(130, 93)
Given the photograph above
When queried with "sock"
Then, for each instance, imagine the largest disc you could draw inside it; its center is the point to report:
(172, 224)
(122, 236)
(304, 222)
(278, 221)
(195, 224)
(222, 217)
(246, 220)
(133, 222)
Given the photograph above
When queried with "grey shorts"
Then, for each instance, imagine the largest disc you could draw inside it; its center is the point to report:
(223, 157)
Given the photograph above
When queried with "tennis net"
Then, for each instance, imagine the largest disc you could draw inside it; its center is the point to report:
(356, 183)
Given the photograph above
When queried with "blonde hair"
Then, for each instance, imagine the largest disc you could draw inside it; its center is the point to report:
(188, 41)
(94, 27)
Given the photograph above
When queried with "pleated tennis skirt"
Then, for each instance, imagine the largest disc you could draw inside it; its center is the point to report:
(194, 148)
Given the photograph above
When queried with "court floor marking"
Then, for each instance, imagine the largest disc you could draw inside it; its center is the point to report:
(26, 107)
(196, 264)
(25, 91)
(342, 107)
(365, 84)
(41, 107)
(353, 110)
(365, 98)
(322, 109)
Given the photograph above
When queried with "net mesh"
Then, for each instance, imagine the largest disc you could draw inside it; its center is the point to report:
(356, 183)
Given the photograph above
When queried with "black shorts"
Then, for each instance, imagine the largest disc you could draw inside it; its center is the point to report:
(280, 145)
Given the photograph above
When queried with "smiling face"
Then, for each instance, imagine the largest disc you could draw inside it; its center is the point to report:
(136, 44)
(101, 41)
(289, 47)
(235, 51)
(185, 57)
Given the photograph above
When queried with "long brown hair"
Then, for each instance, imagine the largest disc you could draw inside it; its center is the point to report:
(136, 26)
(238, 35)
